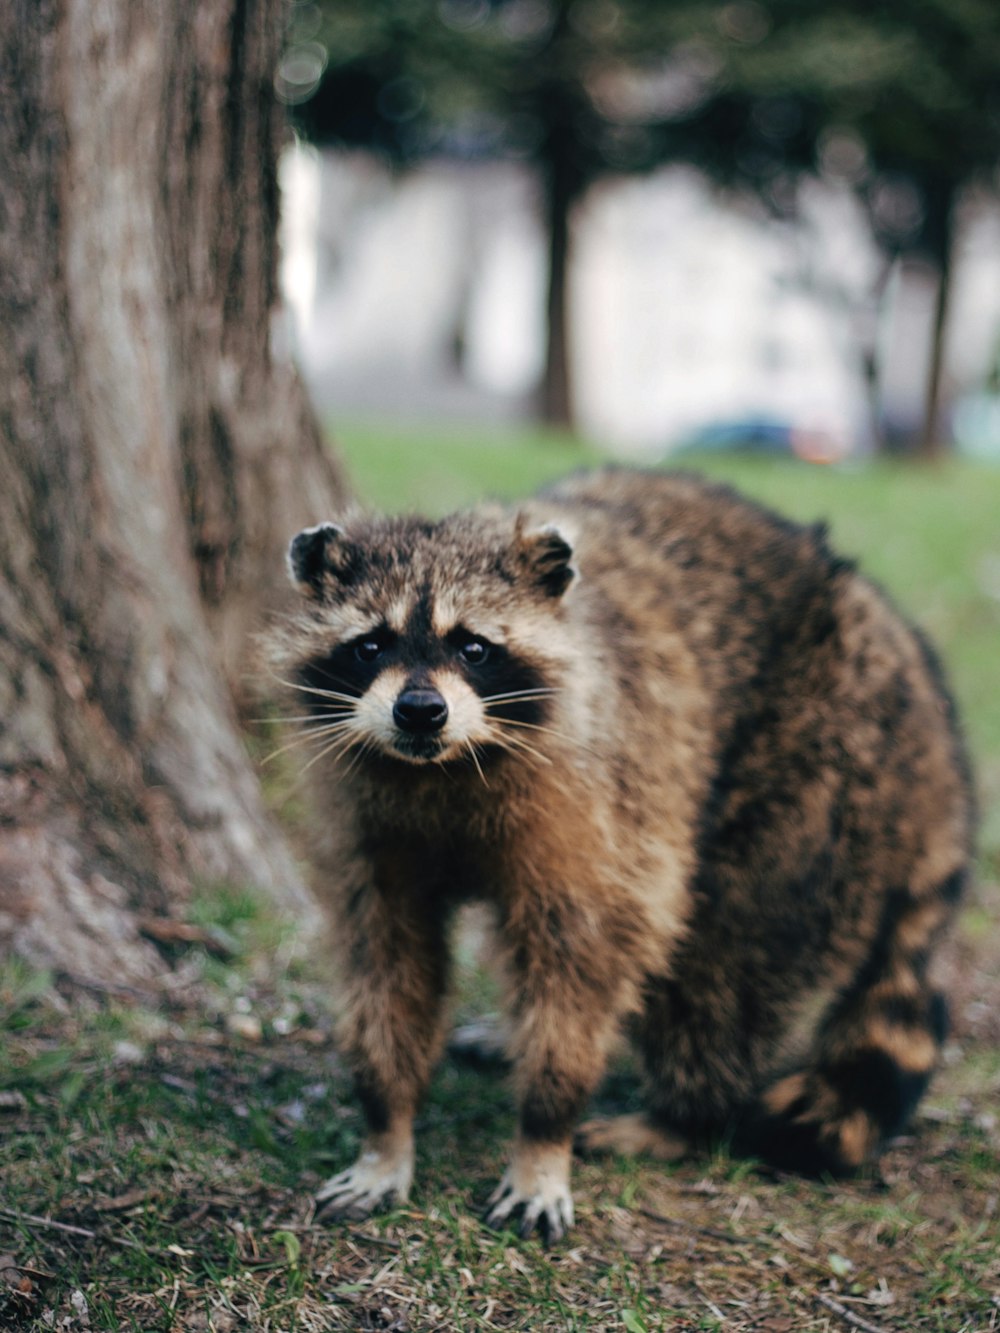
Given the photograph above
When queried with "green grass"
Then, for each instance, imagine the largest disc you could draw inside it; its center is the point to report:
(184, 1157)
(433, 472)
(176, 1145)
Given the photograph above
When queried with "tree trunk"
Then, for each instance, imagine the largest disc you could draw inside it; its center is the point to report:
(557, 393)
(564, 111)
(939, 236)
(156, 451)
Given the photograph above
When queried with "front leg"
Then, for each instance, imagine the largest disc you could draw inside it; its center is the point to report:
(382, 1174)
(392, 933)
(576, 967)
(535, 1187)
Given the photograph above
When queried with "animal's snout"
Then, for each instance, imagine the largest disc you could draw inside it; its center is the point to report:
(420, 712)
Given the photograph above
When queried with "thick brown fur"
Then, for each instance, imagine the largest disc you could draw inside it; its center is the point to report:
(727, 812)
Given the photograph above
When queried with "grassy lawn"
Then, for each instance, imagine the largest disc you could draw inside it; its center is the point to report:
(157, 1155)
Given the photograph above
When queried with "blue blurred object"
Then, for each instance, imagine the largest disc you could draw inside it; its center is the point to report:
(767, 435)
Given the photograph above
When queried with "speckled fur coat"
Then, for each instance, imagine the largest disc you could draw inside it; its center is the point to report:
(707, 777)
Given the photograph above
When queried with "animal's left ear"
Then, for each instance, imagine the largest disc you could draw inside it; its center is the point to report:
(545, 555)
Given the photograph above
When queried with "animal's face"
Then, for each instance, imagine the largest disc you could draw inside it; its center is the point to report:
(431, 642)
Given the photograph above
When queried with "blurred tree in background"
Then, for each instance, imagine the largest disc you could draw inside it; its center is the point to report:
(901, 99)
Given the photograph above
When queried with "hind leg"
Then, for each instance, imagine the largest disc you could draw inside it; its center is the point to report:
(630, 1136)
(691, 1042)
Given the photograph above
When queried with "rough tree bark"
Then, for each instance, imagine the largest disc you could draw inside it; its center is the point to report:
(156, 450)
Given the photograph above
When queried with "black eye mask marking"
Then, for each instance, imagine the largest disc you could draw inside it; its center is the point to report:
(499, 676)
(369, 649)
(348, 669)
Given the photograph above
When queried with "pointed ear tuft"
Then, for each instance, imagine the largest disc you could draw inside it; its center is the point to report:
(545, 554)
(317, 551)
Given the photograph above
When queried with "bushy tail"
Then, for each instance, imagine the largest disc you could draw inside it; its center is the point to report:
(832, 1117)
(873, 1057)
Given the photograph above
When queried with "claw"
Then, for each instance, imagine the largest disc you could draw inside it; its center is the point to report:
(533, 1211)
(536, 1186)
(376, 1179)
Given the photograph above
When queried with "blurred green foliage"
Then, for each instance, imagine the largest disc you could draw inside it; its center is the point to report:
(900, 100)
(753, 91)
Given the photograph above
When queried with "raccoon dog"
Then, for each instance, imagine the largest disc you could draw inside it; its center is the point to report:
(709, 782)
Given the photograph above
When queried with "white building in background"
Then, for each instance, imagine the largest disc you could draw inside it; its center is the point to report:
(424, 294)
(689, 314)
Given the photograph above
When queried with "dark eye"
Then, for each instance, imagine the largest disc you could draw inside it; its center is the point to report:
(368, 650)
(475, 652)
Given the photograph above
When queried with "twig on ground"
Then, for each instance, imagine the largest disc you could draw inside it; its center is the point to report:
(848, 1316)
(30, 1220)
(33, 1221)
(727, 1236)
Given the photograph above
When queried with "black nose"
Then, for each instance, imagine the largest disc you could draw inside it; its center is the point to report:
(420, 711)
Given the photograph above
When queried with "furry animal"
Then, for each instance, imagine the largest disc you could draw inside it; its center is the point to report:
(709, 780)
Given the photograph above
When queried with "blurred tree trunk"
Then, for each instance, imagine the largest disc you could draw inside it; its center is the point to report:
(156, 451)
(561, 108)
(939, 228)
(557, 388)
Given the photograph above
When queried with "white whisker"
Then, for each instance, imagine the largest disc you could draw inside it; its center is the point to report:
(367, 746)
(514, 695)
(340, 744)
(517, 744)
(320, 721)
(551, 731)
(471, 747)
(305, 717)
(322, 694)
(308, 737)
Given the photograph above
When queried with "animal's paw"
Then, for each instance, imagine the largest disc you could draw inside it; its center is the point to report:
(630, 1135)
(535, 1193)
(375, 1180)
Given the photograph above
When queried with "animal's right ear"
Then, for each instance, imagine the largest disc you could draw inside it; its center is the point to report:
(319, 552)
(546, 556)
